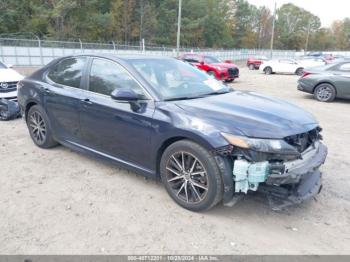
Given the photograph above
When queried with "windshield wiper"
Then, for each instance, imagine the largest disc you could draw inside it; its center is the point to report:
(218, 93)
(182, 98)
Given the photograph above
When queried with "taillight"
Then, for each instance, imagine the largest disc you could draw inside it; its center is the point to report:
(305, 74)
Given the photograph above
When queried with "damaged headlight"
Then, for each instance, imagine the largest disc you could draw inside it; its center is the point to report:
(277, 146)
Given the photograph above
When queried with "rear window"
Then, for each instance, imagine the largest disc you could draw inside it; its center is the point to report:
(68, 72)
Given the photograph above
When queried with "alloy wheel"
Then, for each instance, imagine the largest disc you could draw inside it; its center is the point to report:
(187, 177)
(37, 127)
(324, 93)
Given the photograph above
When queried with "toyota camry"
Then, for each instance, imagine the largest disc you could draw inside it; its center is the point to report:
(165, 119)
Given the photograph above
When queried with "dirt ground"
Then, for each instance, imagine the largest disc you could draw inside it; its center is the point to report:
(61, 202)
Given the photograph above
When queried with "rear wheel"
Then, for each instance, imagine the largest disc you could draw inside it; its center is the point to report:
(39, 128)
(268, 70)
(299, 71)
(191, 176)
(325, 92)
(251, 67)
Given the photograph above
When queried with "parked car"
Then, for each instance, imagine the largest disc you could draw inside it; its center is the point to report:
(165, 119)
(226, 71)
(311, 62)
(289, 66)
(8, 82)
(327, 82)
(255, 62)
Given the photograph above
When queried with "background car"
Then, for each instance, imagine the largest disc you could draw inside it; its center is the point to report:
(327, 82)
(288, 66)
(311, 61)
(255, 62)
(220, 70)
(8, 82)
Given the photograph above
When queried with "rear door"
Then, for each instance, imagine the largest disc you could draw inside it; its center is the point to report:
(111, 127)
(62, 96)
(342, 79)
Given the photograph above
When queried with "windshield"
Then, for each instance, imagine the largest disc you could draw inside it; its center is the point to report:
(174, 79)
(211, 60)
(2, 66)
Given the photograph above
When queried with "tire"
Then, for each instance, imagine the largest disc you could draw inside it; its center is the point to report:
(229, 81)
(39, 127)
(299, 71)
(268, 70)
(200, 187)
(325, 92)
(211, 73)
(251, 67)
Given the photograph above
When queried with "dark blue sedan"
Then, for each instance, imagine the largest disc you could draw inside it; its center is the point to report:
(166, 119)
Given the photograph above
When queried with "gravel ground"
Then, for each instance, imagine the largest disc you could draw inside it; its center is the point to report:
(61, 202)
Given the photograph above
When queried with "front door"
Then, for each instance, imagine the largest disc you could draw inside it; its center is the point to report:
(118, 129)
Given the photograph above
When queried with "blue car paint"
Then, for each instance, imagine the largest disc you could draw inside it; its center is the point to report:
(98, 125)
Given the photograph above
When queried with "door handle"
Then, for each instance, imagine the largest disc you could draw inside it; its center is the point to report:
(48, 91)
(86, 101)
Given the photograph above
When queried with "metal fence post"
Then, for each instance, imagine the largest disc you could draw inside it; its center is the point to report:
(40, 50)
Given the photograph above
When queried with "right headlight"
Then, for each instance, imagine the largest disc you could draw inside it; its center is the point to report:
(278, 146)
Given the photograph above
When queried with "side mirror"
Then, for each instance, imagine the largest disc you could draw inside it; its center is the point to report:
(202, 62)
(124, 94)
(228, 61)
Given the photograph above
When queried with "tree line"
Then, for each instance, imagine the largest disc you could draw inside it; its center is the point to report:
(205, 23)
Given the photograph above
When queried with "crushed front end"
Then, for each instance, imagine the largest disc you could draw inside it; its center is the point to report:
(286, 170)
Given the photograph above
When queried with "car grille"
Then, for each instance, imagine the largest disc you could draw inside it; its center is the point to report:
(6, 87)
(302, 141)
(233, 72)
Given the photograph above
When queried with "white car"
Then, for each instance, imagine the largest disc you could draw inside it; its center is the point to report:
(8, 82)
(289, 66)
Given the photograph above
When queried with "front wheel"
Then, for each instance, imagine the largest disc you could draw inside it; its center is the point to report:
(191, 176)
(39, 128)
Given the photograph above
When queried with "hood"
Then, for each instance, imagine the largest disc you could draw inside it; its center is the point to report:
(9, 75)
(250, 114)
(224, 65)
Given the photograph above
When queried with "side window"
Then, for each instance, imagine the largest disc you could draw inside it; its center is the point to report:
(191, 58)
(345, 67)
(68, 72)
(106, 76)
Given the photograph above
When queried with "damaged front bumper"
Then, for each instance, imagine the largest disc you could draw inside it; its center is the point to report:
(286, 183)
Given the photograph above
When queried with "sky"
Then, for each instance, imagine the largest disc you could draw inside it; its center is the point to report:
(326, 10)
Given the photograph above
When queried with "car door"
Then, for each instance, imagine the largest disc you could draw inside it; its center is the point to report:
(342, 79)
(115, 128)
(287, 66)
(62, 95)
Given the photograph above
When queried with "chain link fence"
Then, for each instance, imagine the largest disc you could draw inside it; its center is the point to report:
(30, 52)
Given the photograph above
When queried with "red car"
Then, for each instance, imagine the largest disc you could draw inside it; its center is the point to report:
(225, 71)
(255, 62)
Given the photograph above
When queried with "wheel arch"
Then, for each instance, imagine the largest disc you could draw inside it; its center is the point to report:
(325, 82)
(28, 106)
(173, 139)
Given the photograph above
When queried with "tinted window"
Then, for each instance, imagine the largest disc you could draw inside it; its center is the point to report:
(106, 76)
(68, 72)
(345, 67)
(210, 60)
(191, 58)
